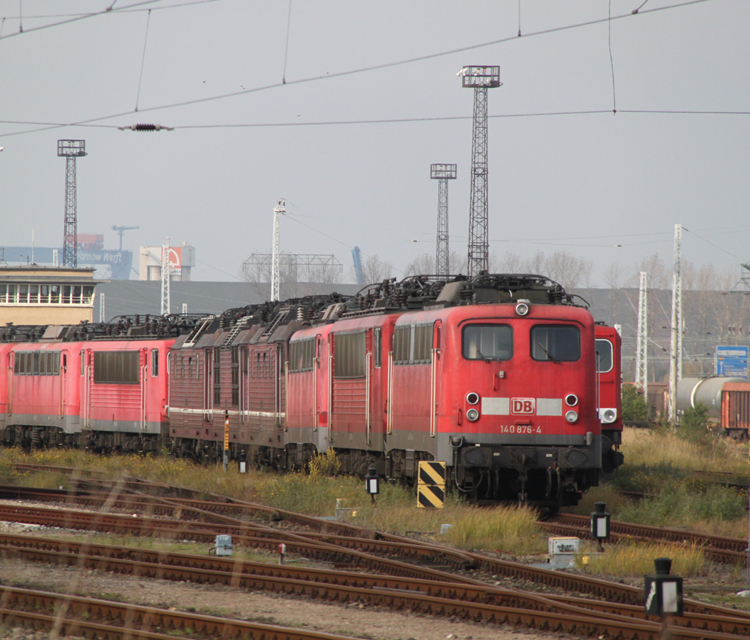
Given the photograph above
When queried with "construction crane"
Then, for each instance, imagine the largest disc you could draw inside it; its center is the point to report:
(122, 230)
(358, 270)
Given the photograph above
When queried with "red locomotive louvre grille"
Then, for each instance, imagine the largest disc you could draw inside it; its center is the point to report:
(523, 406)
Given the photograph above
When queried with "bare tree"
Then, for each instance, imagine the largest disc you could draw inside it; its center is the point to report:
(613, 276)
(422, 264)
(459, 263)
(536, 263)
(566, 269)
(510, 263)
(659, 275)
(376, 270)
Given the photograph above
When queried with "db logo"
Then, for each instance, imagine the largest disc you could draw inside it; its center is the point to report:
(522, 405)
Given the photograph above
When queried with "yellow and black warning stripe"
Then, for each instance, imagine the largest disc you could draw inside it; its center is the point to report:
(431, 472)
(430, 496)
(431, 485)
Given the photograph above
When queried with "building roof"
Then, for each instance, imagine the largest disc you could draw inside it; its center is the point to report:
(35, 273)
(129, 297)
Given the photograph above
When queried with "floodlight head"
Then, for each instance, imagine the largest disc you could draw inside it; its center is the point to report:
(443, 171)
(480, 77)
(75, 148)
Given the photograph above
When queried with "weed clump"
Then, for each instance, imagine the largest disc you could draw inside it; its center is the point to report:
(637, 559)
(325, 464)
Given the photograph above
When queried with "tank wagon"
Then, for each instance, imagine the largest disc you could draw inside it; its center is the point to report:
(727, 401)
(499, 376)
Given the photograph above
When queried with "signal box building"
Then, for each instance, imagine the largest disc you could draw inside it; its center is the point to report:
(34, 295)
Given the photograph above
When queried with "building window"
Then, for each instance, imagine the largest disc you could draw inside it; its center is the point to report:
(116, 367)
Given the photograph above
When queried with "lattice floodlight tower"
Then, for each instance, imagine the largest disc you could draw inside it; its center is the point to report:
(70, 150)
(480, 79)
(443, 173)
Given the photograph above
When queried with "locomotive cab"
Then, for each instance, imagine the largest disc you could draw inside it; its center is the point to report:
(524, 423)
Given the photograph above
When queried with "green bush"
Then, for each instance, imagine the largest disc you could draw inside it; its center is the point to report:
(634, 405)
(693, 425)
(681, 503)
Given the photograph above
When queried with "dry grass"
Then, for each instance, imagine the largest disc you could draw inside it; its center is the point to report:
(637, 559)
(502, 528)
(663, 447)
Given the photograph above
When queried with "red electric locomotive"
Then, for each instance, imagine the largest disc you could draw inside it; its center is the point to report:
(495, 376)
(608, 350)
(98, 386)
(504, 378)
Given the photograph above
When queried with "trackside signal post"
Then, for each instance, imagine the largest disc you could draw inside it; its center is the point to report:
(663, 593)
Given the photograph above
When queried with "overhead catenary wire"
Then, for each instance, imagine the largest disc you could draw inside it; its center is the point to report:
(143, 60)
(45, 126)
(729, 253)
(286, 46)
(611, 60)
(359, 70)
(76, 17)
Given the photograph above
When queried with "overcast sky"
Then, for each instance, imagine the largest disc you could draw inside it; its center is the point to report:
(605, 187)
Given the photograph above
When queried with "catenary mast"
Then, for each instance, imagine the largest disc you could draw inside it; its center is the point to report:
(641, 356)
(480, 79)
(277, 210)
(675, 361)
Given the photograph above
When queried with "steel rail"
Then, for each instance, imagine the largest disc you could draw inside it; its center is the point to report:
(336, 585)
(717, 554)
(656, 533)
(201, 532)
(365, 540)
(95, 618)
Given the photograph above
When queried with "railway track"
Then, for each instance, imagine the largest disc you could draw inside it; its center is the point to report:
(92, 618)
(717, 548)
(478, 602)
(402, 583)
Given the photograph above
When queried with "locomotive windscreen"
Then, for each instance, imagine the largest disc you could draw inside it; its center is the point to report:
(603, 356)
(558, 343)
(488, 342)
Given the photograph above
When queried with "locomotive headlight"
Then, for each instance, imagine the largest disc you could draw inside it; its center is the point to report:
(522, 308)
(472, 415)
(571, 416)
(571, 399)
(607, 416)
(472, 398)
